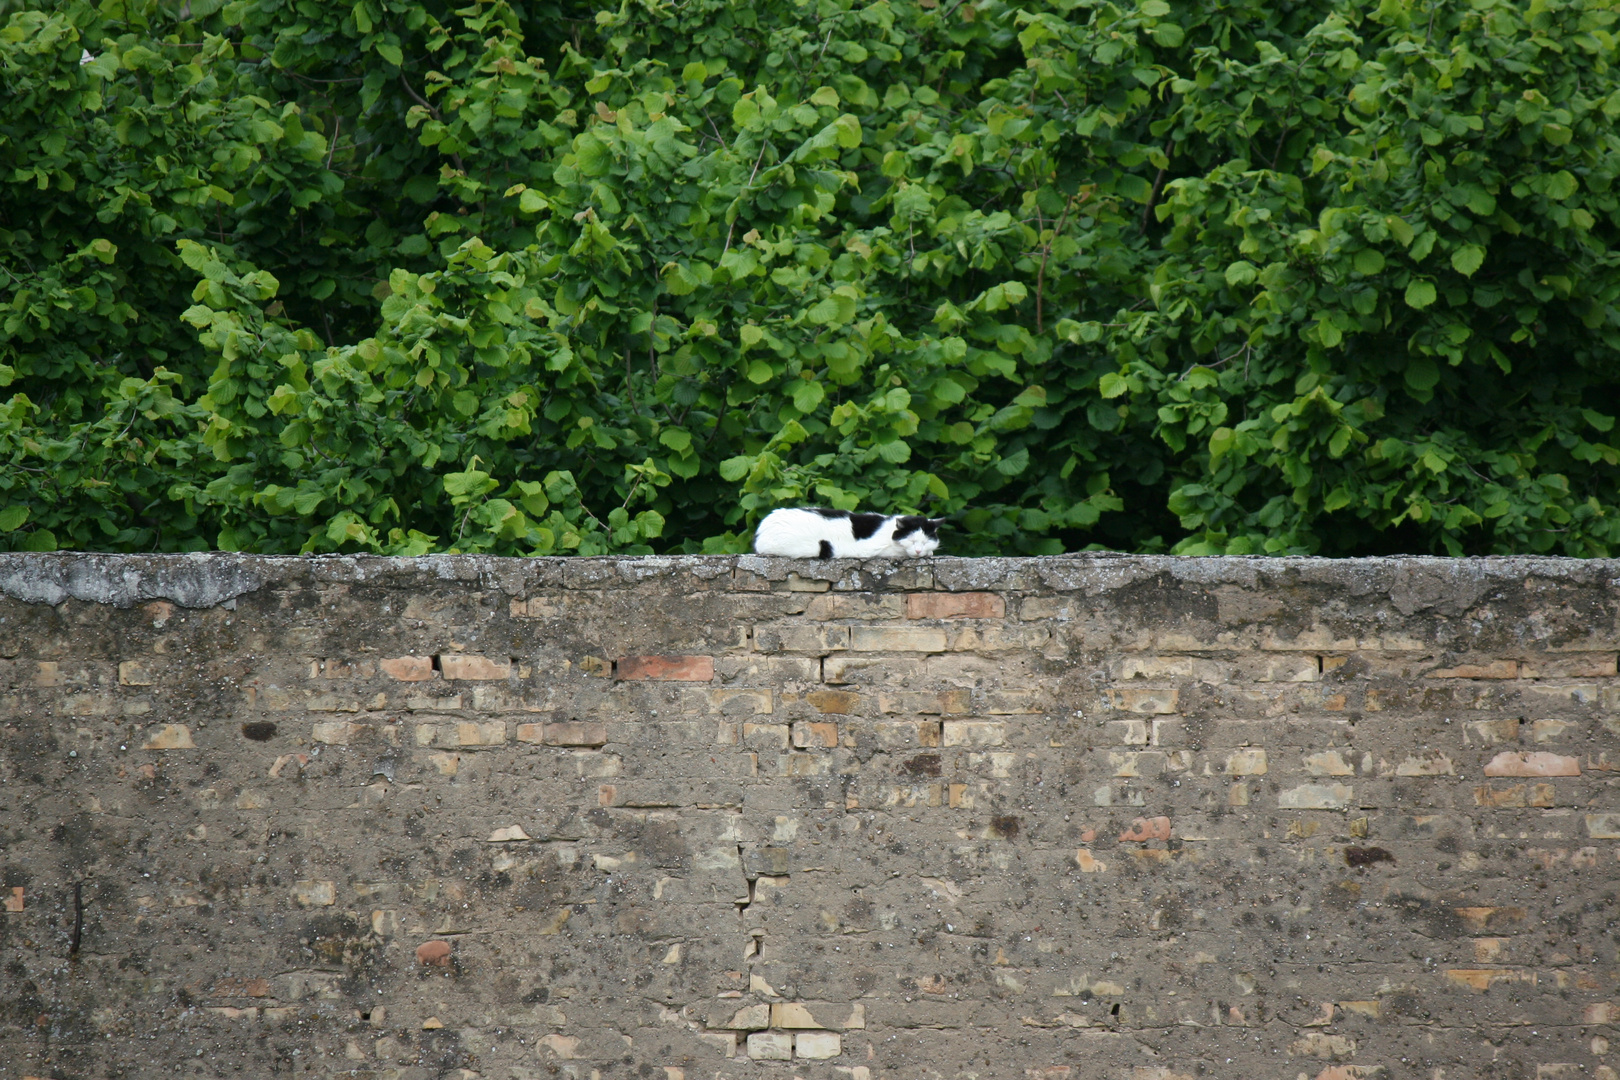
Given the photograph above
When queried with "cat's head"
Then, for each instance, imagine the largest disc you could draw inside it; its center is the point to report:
(918, 536)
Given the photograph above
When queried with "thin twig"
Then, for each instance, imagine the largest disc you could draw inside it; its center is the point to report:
(1158, 185)
(1046, 250)
(763, 144)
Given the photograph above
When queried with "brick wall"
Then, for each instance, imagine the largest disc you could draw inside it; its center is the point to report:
(1112, 817)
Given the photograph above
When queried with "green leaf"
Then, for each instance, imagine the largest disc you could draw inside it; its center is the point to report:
(1422, 375)
(594, 157)
(807, 395)
(1368, 261)
(1467, 259)
(759, 372)
(12, 517)
(1420, 294)
(1112, 385)
(1241, 273)
(390, 53)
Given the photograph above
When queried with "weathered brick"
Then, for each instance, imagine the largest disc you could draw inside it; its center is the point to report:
(974, 733)
(869, 670)
(840, 702)
(817, 1045)
(1427, 763)
(770, 1046)
(943, 605)
(1532, 763)
(1143, 700)
(568, 733)
(480, 733)
(739, 701)
(1492, 669)
(1603, 826)
(134, 673)
(314, 893)
(807, 734)
(1592, 665)
(1519, 795)
(666, 668)
(991, 637)
(853, 606)
(791, 637)
(169, 737)
(896, 639)
(1128, 732)
(1246, 763)
(766, 736)
(1169, 668)
(1328, 763)
(944, 703)
(766, 671)
(1143, 830)
(1316, 797)
(1501, 730)
(408, 668)
(470, 667)
(337, 732)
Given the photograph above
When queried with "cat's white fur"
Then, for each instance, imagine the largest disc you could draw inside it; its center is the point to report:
(799, 534)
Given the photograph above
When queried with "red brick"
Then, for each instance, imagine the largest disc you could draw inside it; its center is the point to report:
(667, 668)
(1144, 829)
(1532, 763)
(408, 668)
(434, 953)
(972, 605)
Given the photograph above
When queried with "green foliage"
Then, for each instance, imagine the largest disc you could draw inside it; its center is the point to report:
(394, 276)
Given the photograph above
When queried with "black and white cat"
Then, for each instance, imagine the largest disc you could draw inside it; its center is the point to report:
(813, 533)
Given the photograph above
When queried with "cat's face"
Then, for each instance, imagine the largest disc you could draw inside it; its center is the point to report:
(917, 536)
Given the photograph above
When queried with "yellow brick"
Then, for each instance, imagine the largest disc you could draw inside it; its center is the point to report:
(471, 733)
(896, 639)
(134, 673)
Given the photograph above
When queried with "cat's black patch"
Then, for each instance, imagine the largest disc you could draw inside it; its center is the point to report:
(909, 524)
(863, 526)
(830, 515)
(826, 550)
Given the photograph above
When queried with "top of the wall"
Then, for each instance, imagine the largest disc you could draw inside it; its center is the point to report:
(202, 580)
